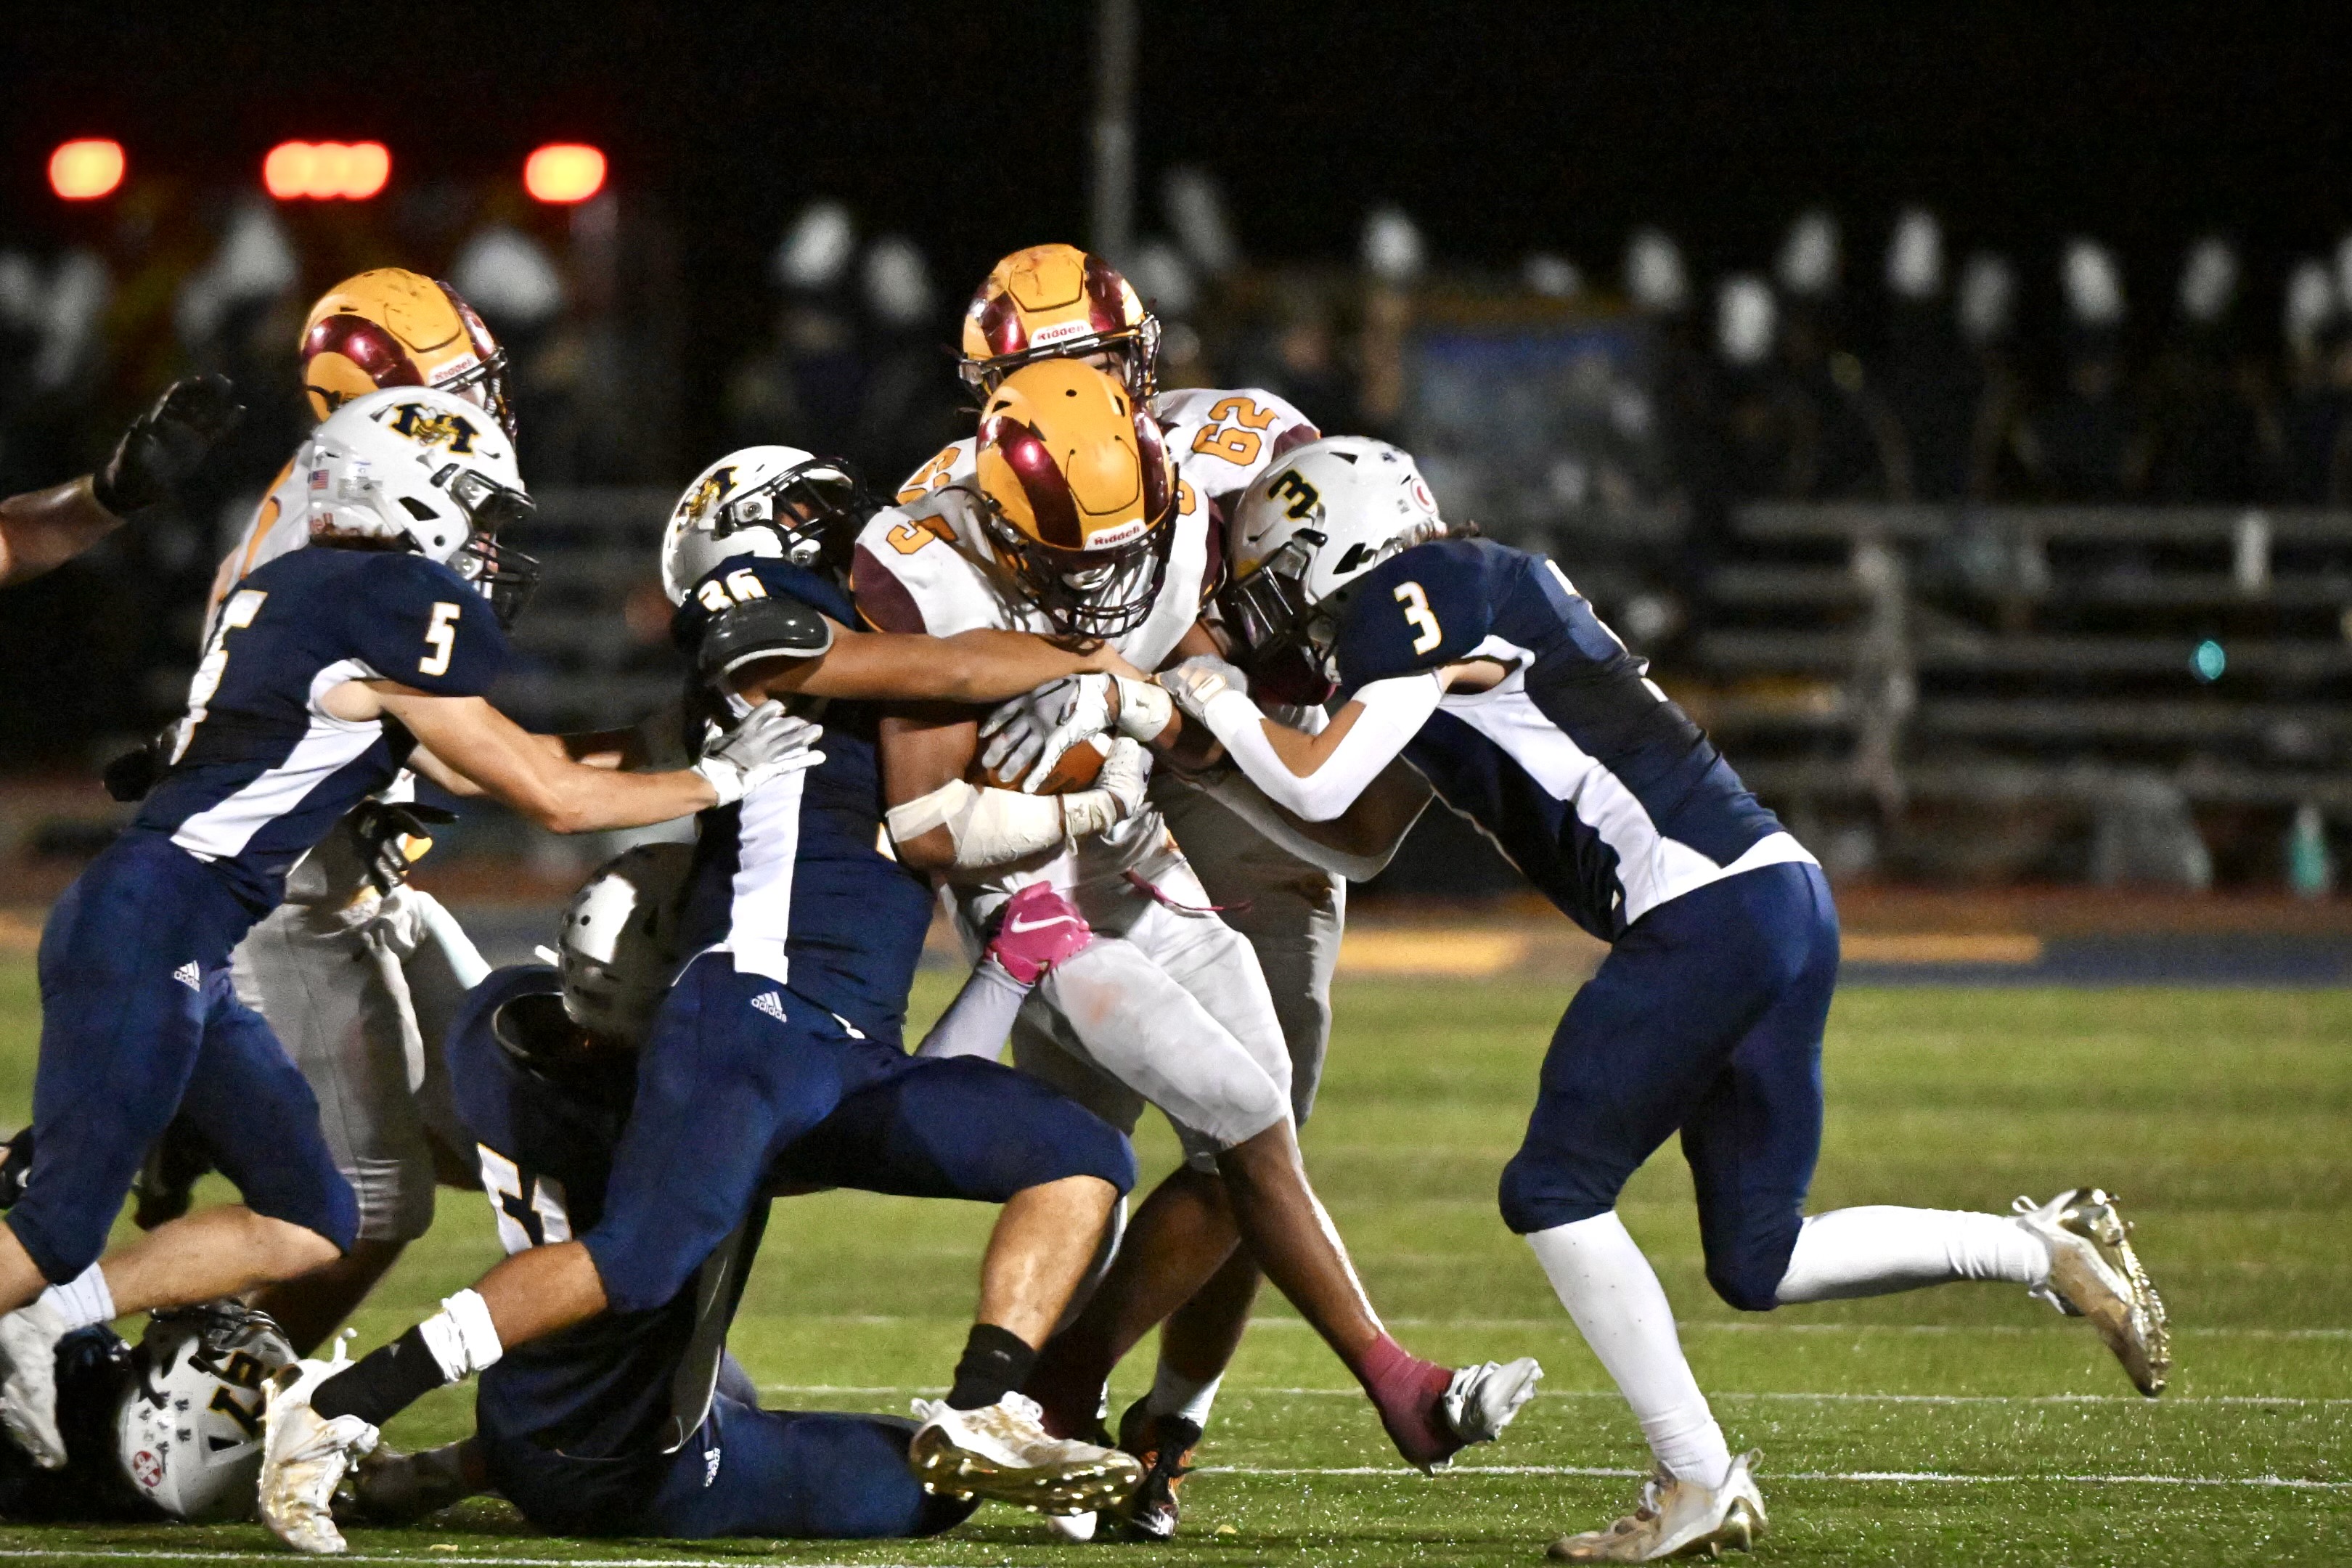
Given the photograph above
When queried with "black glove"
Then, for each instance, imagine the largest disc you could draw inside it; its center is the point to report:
(380, 828)
(132, 774)
(164, 445)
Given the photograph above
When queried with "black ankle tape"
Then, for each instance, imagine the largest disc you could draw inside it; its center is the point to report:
(995, 1362)
(382, 1383)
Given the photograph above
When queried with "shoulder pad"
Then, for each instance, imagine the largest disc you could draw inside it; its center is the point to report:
(773, 628)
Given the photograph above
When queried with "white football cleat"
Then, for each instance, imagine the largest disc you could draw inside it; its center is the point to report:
(304, 1456)
(29, 1396)
(1677, 1519)
(1481, 1400)
(2095, 1274)
(1003, 1452)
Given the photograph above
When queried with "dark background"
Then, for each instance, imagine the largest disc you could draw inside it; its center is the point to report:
(1501, 128)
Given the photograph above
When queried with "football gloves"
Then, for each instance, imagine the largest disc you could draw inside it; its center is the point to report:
(166, 443)
(767, 744)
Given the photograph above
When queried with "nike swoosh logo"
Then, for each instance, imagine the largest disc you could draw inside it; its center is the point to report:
(1014, 923)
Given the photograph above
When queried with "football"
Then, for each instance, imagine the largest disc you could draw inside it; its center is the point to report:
(1078, 769)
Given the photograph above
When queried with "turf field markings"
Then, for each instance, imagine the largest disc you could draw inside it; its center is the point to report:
(2123, 1401)
(421, 1554)
(1933, 1476)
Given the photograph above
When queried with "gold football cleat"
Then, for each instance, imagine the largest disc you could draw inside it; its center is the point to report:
(2095, 1274)
(1677, 1519)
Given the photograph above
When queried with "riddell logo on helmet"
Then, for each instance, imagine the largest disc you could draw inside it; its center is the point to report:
(1060, 333)
(1110, 538)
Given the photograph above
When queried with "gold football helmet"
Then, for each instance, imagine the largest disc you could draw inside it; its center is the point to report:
(1055, 302)
(1079, 491)
(391, 327)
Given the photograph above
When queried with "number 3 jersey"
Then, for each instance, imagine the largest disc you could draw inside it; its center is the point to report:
(791, 878)
(1580, 769)
(261, 769)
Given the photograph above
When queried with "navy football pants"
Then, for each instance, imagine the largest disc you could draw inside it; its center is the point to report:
(748, 1472)
(1704, 1018)
(745, 1085)
(138, 1021)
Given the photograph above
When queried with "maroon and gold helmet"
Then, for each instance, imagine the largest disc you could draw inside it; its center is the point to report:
(1055, 302)
(1080, 492)
(391, 327)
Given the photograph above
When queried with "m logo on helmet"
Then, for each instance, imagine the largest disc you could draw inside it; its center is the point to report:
(705, 496)
(432, 428)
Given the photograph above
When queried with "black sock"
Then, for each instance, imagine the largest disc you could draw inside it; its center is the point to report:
(382, 1383)
(995, 1362)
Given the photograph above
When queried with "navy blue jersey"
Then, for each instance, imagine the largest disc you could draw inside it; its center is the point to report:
(793, 879)
(1600, 789)
(604, 1388)
(263, 770)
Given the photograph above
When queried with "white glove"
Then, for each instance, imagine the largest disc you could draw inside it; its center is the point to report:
(1117, 794)
(767, 744)
(1032, 732)
(1201, 680)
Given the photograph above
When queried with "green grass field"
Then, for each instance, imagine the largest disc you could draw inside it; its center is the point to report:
(1962, 1425)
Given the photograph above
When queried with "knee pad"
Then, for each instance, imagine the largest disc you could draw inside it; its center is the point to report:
(1538, 1191)
(1748, 1273)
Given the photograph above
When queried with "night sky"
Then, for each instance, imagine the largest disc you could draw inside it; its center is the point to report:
(1503, 127)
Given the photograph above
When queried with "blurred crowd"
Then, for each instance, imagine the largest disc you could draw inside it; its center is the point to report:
(1879, 363)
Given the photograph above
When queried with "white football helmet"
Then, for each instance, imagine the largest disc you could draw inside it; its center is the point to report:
(1312, 525)
(189, 1432)
(415, 468)
(619, 952)
(774, 503)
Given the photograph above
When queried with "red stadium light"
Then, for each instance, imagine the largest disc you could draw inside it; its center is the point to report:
(86, 169)
(563, 172)
(326, 171)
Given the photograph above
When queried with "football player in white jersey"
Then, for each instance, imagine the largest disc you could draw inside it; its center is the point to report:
(358, 973)
(1055, 302)
(1076, 523)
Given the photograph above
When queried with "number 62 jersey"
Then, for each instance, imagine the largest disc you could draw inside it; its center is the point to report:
(261, 769)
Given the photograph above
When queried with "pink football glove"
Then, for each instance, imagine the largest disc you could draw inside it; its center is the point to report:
(1040, 929)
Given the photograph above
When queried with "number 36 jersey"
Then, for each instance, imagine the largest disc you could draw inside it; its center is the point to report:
(1578, 768)
(261, 769)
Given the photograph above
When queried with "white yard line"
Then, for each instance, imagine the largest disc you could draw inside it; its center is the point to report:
(1904, 1475)
(424, 1554)
(2121, 1401)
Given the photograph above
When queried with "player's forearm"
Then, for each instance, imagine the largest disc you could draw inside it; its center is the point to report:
(42, 529)
(533, 773)
(1318, 777)
(983, 665)
(1358, 843)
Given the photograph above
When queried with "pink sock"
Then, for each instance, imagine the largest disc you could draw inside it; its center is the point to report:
(1406, 1390)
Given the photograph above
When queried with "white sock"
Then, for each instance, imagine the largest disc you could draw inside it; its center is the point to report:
(1614, 1294)
(461, 1336)
(1873, 1250)
(1173, 1394)
(81, 1302)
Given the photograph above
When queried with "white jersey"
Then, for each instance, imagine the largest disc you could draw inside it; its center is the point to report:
(279, 524)
(1221, 439)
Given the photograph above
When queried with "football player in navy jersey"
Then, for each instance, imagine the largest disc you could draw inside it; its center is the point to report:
(1483, 668)
(783, 1031)
(636, 1422)
(328, 668)
(42, 529)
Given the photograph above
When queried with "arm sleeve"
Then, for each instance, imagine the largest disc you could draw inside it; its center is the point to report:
(420, 624)
(980, 1016)
(1394, 711)
(1232, 789)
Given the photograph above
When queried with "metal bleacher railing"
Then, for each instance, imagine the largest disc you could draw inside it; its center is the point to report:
(1907, 653)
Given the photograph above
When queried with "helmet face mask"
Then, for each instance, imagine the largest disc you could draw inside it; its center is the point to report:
(1085, 594)
(1274, 626)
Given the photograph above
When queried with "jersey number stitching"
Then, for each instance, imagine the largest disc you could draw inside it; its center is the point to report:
(236, 615)
(521, 1224)
(1235, 444)
(1417, 615)
(441, 637)
(740, 588)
